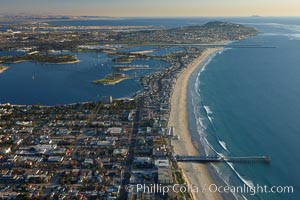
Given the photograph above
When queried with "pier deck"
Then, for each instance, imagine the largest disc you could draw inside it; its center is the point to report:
(213, 158)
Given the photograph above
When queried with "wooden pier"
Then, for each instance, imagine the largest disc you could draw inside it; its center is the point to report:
(214, 158)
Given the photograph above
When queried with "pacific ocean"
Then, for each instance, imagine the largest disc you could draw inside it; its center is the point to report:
(246, 103)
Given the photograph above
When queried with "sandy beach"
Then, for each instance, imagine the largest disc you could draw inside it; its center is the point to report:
(3, 69)
(194, 173)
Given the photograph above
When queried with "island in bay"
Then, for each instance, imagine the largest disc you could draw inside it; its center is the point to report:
(111, 79)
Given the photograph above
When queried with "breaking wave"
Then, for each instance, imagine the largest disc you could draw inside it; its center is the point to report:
(208, 114)
(245, 181)
(223, 145)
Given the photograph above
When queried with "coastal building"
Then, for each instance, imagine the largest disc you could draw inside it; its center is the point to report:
(165, 175)
(107, 99)
(162, 163)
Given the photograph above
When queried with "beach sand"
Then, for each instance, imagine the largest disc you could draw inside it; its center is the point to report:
(3, 69)
(194, 173)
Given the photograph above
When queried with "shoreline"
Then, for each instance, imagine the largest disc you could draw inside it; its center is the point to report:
(3, 69)
(184, 145)
(50, 63)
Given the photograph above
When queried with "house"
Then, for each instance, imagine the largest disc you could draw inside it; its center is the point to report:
(115, 130)
(160, 151)
(122, 152)
(88, 161)
(55, 158)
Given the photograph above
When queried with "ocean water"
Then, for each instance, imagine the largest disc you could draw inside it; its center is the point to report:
(246, 103)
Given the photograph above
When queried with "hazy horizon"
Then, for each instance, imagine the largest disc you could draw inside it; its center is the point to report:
(155, 8)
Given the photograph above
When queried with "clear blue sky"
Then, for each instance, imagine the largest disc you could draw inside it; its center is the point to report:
(153, 7)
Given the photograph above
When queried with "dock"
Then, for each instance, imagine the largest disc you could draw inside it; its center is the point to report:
(215, 158)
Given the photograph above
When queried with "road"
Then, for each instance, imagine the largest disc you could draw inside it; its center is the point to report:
(130, 156)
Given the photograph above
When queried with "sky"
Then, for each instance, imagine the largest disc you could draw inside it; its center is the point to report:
(152, 8)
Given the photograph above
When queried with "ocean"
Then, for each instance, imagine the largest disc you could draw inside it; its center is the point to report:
(246, 103)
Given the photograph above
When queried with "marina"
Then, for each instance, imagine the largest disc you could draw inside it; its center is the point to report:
(129, 67)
